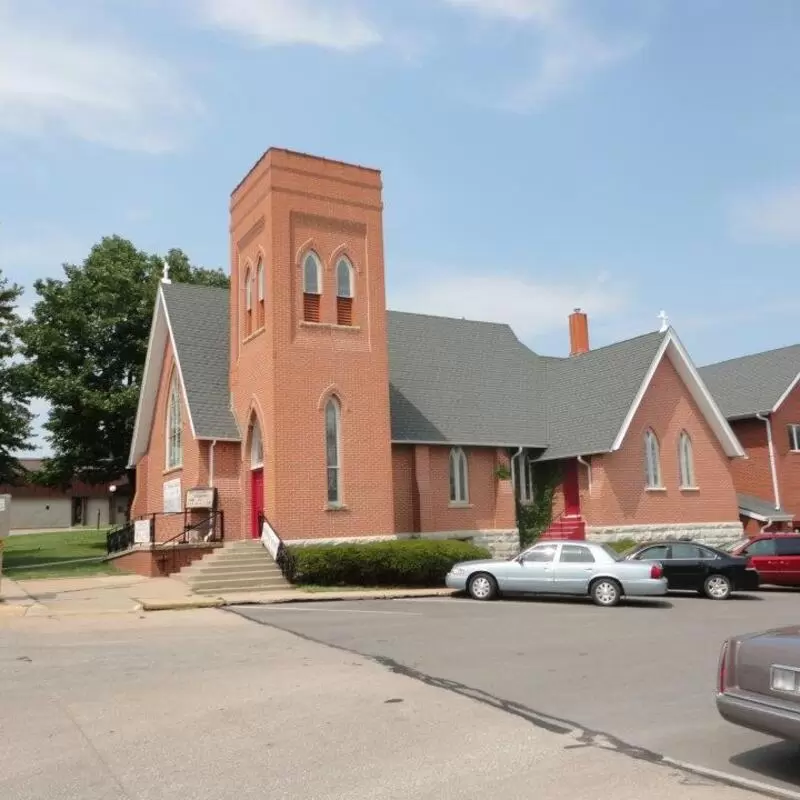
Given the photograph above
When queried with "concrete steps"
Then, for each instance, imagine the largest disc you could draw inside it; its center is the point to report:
(243, 566)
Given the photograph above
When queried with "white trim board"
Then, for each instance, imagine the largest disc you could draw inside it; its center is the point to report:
(677, 354)
(160, 333)
(761, 518)
(782, 399)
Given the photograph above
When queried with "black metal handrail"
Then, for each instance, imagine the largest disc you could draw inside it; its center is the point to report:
(212, 529)
(120, 539)
(283, 557)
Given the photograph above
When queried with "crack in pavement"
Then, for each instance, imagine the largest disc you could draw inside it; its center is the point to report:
(583, 736)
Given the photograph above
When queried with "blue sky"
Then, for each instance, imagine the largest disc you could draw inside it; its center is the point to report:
(625, 156)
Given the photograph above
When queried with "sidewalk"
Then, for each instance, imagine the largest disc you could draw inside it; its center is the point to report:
(132, 594)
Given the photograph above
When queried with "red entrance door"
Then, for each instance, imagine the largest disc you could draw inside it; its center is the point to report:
(256, 501)
(572, 494)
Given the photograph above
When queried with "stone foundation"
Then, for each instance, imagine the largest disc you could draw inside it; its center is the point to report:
(712, 533)
(500, 543)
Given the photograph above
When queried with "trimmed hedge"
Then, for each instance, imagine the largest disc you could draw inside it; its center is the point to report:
(621, 545)
(414, 562)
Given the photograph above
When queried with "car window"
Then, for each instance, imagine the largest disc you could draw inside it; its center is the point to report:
(658, 553)
(541, 555)
(788, 545)
(611, 552)
(575, 554)
(686, 551)
(706, 553)
(761, 547)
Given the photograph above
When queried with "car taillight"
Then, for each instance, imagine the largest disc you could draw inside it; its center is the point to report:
(656, 571)
(723, 668)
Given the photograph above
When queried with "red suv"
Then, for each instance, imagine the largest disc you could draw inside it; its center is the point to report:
(775, 556)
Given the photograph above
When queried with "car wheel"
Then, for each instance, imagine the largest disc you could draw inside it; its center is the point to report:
(717, 587)
(482, 587)
(605, 592)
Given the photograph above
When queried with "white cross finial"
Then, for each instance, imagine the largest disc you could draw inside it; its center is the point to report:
(165, 277)
(664, 321)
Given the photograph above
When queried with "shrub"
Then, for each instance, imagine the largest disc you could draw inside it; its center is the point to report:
(414, 562)
(621, 545)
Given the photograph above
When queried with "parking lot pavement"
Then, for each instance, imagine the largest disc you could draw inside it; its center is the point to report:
(206, 705)
(641, 675)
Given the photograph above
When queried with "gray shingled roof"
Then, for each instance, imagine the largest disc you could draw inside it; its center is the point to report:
(199, 319)
(465, 382)
(451, 380)
(762, 508)
(589, 395)
(750, 385)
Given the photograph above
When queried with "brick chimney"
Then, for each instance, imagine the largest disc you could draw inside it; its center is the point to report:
(578, 333)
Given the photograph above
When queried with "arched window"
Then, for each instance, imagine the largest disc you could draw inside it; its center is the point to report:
(686, 461)
(344, 292)
(261, 291)
(333, 439)
(174, 426)
(459, 476)
(256, 447)
(522, 477)
(312, 287)
(652, 461)
(248, 302)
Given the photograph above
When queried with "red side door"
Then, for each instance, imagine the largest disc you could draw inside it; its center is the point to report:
(764, 558)
(256, 501)
(572, 493)
(789, 559)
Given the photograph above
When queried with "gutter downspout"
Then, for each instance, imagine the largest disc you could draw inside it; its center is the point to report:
(211, 463)
(582, 460)
(772, 465)
(515, 461)
(766, 525)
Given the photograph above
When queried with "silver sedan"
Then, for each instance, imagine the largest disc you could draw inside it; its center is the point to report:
(556, 567)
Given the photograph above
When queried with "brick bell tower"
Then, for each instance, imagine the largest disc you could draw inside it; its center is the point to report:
(309, 357)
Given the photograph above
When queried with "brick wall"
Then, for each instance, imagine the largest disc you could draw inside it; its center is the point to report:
(151, 470)
(754, 476)
(405, 519)
(788, 462)
(287, 205)
(618, 495)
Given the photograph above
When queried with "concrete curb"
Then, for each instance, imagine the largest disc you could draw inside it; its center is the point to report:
(736, 781)
(301, 597)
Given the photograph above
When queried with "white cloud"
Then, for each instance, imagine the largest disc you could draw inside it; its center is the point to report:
(88, 84)
(290, 22)
(531, 308)
(567, 51)
(771, 216)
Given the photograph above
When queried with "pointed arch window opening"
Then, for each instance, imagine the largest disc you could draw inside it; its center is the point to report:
(260, 291)
(174, 426)
(333, 450)
(459, 476)
(248, 301)
(256, 448)
(312, 287)
(652, 461)
(344, 292)
(686, 461)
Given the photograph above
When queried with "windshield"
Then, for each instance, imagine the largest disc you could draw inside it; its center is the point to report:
(612, 553)
(731, 546)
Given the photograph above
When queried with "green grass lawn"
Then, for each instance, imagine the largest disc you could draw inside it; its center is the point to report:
(22, 554)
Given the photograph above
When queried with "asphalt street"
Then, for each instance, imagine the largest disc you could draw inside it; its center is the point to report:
(640, 676)
(210, 706)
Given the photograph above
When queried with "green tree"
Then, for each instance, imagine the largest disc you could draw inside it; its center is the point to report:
(15, 418)
(85, 346)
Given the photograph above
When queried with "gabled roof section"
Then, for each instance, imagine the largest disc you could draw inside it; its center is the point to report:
(754, 384)
(194, 319)
(590, 395)
(463, 382)
(198, 318)
(761, 510)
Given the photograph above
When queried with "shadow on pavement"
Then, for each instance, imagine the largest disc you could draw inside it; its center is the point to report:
(778, 761)
(579, 601)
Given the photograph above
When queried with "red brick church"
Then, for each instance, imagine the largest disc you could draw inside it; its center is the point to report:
(297, 395)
